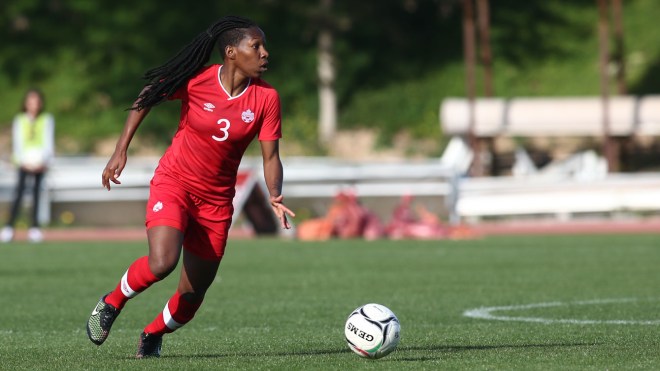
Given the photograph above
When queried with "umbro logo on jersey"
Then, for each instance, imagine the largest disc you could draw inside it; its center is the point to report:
(209, 107)
(158, 207)
(247, 116)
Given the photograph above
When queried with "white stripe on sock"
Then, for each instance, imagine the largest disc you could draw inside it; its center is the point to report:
(169, 321)
(125, 288)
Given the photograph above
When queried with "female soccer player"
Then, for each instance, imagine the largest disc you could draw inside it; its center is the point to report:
(223, 108)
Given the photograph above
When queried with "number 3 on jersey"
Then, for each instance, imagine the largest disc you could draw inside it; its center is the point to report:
(224, 128)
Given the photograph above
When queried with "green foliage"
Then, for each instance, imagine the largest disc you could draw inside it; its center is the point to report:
(281, 305)
(403, 106)
(396, 60)
(544, 48)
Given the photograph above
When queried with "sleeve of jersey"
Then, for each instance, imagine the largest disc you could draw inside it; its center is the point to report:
(271, 129)
(181, 93)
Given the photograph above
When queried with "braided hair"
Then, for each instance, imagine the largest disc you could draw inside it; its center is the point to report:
(165, 80)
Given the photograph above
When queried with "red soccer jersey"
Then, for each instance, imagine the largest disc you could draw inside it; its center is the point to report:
(214, 132)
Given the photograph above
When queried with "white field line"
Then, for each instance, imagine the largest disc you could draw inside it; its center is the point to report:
(488, 313)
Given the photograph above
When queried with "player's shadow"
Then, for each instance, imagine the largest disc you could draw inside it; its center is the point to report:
(401, 351)
(264, 354)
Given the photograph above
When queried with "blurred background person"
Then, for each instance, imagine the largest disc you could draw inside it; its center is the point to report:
(346, 218)
(410, 221)
(33, 143)
(357, 221)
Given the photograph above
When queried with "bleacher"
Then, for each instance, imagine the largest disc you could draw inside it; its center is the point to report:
(566, 188)
(551, 116)
(559, 197)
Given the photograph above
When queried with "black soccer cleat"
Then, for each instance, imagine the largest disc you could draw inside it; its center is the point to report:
(149, 346)
(101, 320)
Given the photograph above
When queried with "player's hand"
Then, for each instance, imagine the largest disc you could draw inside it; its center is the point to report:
(113, 169)
(281, 211)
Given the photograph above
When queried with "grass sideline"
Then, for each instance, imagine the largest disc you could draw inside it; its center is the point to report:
(282, 304)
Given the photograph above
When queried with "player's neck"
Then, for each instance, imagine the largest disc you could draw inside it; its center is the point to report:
(232, 83)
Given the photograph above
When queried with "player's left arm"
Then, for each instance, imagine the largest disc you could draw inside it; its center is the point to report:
(273, 175)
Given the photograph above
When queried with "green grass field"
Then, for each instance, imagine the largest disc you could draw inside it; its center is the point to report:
(282, 305)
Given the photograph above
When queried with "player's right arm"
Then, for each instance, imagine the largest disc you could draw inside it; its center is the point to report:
(118, 159)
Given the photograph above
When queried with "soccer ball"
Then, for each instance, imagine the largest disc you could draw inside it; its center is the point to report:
(372, 331)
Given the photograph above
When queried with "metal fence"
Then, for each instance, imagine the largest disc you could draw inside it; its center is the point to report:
(74, 180)
(315, 181)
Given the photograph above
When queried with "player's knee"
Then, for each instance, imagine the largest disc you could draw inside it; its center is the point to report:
(161, 266)
(193, 296)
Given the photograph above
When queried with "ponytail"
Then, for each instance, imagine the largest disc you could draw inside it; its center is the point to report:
(165, 80)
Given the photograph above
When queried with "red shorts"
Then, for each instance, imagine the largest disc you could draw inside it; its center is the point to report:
(205, 226)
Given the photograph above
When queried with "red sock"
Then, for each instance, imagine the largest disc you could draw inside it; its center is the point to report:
(177, 312)
(136, 279)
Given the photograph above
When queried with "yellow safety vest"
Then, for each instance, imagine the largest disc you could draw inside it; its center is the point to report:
(32, 132)
(32, 135)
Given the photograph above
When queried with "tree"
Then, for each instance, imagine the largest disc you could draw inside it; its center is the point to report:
(326, 75)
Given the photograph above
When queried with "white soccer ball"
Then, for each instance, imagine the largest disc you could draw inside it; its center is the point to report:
(372, 331)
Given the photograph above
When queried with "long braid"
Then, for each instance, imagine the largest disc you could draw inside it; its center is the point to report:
(165, 80)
